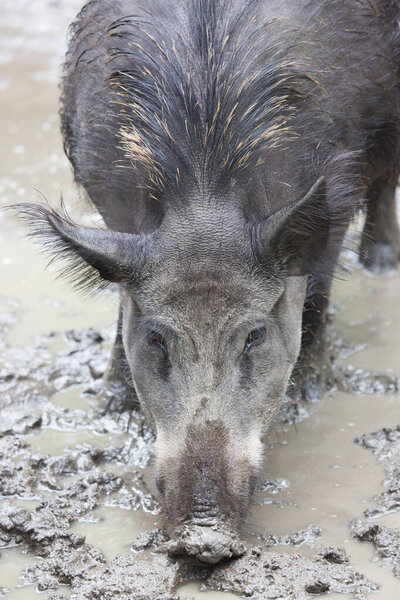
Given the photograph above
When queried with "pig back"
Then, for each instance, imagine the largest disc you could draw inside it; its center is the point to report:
(342, 58)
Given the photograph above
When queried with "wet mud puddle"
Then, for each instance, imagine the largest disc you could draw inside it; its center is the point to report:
(78, 514)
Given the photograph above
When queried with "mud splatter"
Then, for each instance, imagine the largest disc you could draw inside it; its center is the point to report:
(385, 444)
(385, 539)
(271, 575)
(304, 537)
(68, 488)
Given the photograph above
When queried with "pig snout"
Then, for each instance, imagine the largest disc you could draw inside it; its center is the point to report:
(208, 544)
(206, 491)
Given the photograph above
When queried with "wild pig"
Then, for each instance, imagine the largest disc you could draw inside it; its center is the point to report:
(226, 144)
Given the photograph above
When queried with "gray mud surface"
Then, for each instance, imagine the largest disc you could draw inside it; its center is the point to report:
(272, 575)
(385, 444)
(70, 486)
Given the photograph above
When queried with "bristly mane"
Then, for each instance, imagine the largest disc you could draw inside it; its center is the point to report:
(203, 100)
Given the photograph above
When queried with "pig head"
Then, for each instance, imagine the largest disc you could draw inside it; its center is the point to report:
(212, 312)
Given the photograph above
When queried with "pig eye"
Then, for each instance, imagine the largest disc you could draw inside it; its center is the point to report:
(156, 339)
(255, 337)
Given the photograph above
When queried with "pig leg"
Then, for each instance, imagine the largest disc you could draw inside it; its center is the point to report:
(380, 241)
(118, 394)
(310, 374)
(312, 369)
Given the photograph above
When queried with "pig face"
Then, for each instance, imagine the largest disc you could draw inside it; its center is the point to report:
(212, 310)
(210, 355)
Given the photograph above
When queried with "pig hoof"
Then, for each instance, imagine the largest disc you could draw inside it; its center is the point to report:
(308, 384)
(379, 257)
(206, 544)
(313, 391)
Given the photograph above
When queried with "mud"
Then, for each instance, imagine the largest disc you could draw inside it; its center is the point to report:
(272, 575)
(69, 487)
(79, 514)
(385, 444)
(385, 539)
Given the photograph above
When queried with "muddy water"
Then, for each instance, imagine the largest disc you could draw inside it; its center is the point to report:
(315, 481)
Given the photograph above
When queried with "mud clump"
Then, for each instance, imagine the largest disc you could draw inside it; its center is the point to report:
(70, 486)
(68, 561)
(149, 539)
(127, 578)
(304, 537)
(361, 381)
(44, 530)
(334, 555)
(385, 539)
(52, 518)
(385, 444)
(270, 575)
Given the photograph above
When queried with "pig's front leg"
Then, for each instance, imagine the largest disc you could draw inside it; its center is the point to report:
(118, 393)
(310, 375)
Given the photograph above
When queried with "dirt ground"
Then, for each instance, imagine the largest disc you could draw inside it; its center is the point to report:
(79, 516)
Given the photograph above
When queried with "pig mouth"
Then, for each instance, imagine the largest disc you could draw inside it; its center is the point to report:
(208, 544)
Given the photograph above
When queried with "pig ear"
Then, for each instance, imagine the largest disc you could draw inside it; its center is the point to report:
(295, 236)
(94, 256)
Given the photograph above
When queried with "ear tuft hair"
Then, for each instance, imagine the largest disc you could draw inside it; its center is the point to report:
(94, 257)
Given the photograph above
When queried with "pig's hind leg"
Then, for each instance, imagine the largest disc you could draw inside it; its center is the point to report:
(118, 393)
(380, 240)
